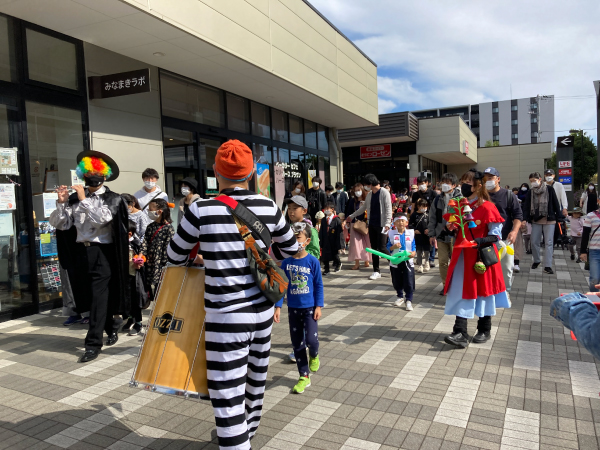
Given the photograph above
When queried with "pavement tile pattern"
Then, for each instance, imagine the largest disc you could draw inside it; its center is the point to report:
(387, 380)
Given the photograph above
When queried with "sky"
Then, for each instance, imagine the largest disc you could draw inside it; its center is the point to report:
(437, 53)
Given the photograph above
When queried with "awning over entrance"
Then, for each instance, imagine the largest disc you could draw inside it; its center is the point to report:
(395, 127)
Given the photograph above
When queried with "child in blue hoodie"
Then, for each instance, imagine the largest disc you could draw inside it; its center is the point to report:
(305, 300)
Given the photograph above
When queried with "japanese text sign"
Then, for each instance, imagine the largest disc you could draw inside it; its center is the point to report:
(376, 151)
(118, 84)
(562, 164)
(563, 172)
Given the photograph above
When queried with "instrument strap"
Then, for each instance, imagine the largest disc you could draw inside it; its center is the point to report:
(248, 218)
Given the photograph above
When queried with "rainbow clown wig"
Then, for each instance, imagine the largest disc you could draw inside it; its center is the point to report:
(91, 162)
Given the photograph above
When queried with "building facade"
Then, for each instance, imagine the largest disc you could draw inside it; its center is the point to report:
(509, 122)
(161, 85)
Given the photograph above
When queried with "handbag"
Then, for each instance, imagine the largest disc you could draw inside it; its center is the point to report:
(361, 227)
(488, 256)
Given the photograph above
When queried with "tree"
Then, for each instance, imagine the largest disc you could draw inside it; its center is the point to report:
(584, 167)
(491, 143)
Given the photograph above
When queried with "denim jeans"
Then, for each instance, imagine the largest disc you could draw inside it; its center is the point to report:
(594, 259)
(536, 238)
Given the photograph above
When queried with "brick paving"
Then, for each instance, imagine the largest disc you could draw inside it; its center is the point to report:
(387, 380)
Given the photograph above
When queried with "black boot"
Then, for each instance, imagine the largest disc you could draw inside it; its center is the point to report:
(457, 339)
(89, 355)
(481, 337)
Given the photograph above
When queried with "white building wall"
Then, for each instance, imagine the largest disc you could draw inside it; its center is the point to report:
(504, 119)
(485, 123)
(524, 121)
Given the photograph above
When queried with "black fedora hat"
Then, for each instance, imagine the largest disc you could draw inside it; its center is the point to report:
(107, 159)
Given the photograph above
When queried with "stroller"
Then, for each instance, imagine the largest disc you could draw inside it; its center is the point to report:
(562, 237)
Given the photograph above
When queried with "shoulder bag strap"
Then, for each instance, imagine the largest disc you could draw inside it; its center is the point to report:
(146, 205)
(248, 218)
(155, 233)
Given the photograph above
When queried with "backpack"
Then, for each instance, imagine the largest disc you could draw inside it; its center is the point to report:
(270, 279)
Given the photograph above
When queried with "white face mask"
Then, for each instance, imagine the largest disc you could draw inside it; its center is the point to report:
(150, 184)
(185, 191)
(358, 193)
(591, 188)
(422, 187)
(534, 184)
(368, 188)
(130, 210)
(523, 188)
(315, 185)
(131, 239)
(422, 210)
(549, 179)
(327, 212)
(490, 185)
(446, 187)
(340, 191)
(297, 190)
(154, 215)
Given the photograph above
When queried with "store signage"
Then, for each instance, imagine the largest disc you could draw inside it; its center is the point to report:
(568, 187)
(465, 147)
(565, 180)
(290, 170)
(376, 151)
(562, 164)
(562, 172)
(564, 141)
(119, 84)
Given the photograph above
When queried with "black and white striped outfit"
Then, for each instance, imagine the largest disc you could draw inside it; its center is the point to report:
(238, 317)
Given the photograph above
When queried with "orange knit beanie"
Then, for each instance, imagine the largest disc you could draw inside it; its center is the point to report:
(234, 160)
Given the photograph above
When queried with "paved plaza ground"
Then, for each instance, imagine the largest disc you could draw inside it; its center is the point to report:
(387, 380)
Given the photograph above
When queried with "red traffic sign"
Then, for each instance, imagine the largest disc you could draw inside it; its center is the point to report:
(566, 172)
(563, 164)
(376, 151)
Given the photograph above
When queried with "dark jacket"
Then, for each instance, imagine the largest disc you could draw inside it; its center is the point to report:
(351, 207)
(522, 195)
(418, 222)
(331, 238)
(341, 200)
(316, 201)
(437, 224)
(554, 211)
(76, 262)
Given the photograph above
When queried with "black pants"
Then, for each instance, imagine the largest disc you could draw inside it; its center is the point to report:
(101, 260)
(336, 262)
(484, 325)
(134, 311)
(378, 241)
(403, 279)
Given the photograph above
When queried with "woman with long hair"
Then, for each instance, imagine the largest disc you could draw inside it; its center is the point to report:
(469, 292)
(297, 189)
(358, 241)
(523, 191)
(589, 199)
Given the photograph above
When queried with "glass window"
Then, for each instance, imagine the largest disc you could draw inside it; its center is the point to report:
(514, 136)
(496, 137)
(208, 151)
(281, 163)
(296, 170)
(514, 122)
(296, 132)
(310, 134)
(533, 105)
(237, 114)
(261, 125)
(495, 110)
(194, 102)
(495, 124)
(534, 134)
(8, 70)
(322, 137)
(534, 120)
(51, 60)
(514, 108)
(179, 148)
(280, 125)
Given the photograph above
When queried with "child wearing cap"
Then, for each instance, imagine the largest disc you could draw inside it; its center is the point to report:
(403, 274)
(297, 210)
(305, 300)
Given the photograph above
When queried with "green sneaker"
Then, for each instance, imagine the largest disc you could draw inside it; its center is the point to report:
(302, 384)
(314, 363)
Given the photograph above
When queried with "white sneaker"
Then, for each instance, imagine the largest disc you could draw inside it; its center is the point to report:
(409, 306)
(516, 269)
(375, 276)
(399, 302)
(427, 268)
(419, 269)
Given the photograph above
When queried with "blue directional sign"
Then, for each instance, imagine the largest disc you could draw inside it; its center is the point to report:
(567, 180)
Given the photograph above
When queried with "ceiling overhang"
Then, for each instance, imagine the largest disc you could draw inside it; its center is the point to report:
(376, 141)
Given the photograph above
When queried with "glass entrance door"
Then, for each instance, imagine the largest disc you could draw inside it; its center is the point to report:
(208, 147)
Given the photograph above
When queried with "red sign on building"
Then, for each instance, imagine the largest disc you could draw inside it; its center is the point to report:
(562, 164)
(565, 172)
(376, 151)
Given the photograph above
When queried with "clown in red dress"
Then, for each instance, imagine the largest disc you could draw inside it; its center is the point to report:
(468, 293)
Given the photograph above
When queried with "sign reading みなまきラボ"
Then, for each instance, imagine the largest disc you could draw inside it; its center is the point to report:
(376, 151)
(119, 84)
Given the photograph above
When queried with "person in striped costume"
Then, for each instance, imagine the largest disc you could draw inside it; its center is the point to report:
(238, 316)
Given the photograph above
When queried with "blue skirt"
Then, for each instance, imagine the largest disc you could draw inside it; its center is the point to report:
(456, 305)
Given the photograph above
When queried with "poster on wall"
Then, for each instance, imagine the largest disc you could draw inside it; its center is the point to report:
(50, 199)
(311, 175)
(48, 246)
(211, 182)
(51, 182)
(279, 178)
(7, 196)
(6, 224)
(8, 161)
(263, 180)
(75, 180)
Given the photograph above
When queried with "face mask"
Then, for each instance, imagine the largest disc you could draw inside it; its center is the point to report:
(534, 184)
(446, 187)
(423, 210)
(327, 212)
(340, 191)
(315, 185)
(466, 189)
(358, 193)
(368, 188)
(130, 210)
(185, 191)
(131, 239)
(154, 215)
(297, 191)
(490, 185)
(422, 187)
(150, 184)
(549, 179)
(591, 188)
(94, 181)
(523, 188)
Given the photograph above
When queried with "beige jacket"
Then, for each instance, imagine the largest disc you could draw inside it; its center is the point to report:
(385, 201)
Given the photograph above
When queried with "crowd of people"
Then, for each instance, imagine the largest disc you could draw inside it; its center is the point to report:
(114, 248)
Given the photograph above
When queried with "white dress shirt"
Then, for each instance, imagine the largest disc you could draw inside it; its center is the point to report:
(92, 218)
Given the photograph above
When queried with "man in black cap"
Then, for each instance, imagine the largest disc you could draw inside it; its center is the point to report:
(92, 225)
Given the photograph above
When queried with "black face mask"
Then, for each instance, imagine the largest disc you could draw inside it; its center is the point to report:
(466, 189)
(94, 181)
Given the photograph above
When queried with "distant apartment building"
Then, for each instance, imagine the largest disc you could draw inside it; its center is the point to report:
(509, 122)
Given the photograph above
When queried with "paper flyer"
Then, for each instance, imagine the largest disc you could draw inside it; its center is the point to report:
(8, 161)
(50, 199)
(7, 196)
